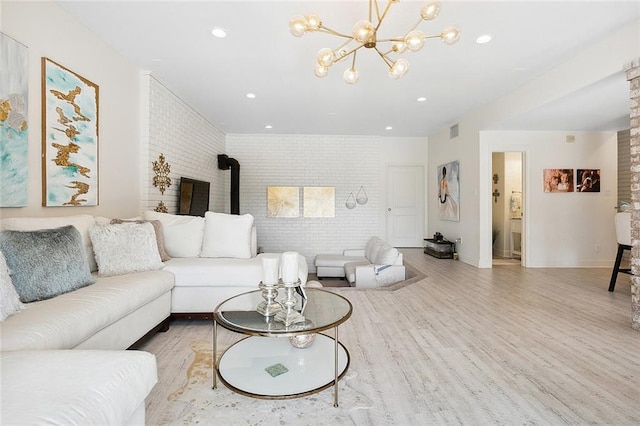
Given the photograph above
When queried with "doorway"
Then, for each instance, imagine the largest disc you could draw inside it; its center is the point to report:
(507, 208)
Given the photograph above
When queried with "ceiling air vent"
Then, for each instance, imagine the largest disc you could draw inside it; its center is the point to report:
(453, 131)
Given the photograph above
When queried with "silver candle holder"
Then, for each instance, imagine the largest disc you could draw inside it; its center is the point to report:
(288, 315)
(269, 307)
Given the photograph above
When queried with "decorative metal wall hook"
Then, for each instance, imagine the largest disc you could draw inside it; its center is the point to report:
(362, 198)
(161, 180)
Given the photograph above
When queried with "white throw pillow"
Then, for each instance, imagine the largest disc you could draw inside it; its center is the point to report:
(9, 301)
(182, 234)
(227, 235)
(125, 248)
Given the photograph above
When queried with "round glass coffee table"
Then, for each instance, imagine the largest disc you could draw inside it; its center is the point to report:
(263, 367)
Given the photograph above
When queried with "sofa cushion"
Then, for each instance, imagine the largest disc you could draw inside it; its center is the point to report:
(124, 248)
(9, 301)
(157, 227)
(210, 271)
(82, 222)
(227, 235)
(45, 263)
(183, 235)
(350, 269)
(75, 387)
(66, 321)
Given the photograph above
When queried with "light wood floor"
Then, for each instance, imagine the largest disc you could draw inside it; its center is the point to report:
(506, 345)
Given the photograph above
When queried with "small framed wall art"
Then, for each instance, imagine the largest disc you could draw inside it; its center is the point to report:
(588, 180)
(283, 201)
(557, 180)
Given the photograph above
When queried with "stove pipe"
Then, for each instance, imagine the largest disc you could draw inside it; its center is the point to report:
(226, 163)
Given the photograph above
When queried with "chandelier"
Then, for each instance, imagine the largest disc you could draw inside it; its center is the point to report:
(365, 34)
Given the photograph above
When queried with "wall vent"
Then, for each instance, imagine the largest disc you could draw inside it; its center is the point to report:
(453, 131)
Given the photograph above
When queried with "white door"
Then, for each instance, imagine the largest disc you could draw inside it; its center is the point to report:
(405, 206)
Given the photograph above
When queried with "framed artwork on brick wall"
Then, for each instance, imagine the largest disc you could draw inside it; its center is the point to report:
(283, 201)
(319, 201)
(69, 137)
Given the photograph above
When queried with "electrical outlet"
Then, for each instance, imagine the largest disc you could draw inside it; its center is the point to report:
(597, 247)
(459, 240)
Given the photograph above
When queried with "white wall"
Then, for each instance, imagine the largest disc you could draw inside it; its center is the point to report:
(595, 63)
(344, 162)
(189, 143)
(565, 229)
(48, 31)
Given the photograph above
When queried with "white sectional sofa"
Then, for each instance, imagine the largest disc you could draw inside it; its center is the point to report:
(121, 291)
(376, 265)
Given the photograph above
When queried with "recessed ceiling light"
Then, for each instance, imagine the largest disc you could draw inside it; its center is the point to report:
(251, 95)
(388, 128)
(268, 126)
(218, 32)
(486, 38)
(421, 99)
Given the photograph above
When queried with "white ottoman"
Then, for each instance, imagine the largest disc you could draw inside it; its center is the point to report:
(76, 387)
(332, 265)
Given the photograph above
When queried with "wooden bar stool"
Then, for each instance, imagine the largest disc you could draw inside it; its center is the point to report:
(623, 235)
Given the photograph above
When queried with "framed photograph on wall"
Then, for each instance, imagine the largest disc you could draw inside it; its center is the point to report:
(69, 137)
(449, 191)
(557, 180)
(588, 180)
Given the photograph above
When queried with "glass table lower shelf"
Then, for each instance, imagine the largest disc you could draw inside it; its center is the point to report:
(242, 367)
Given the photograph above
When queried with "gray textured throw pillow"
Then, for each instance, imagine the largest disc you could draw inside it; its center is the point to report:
(45, 263)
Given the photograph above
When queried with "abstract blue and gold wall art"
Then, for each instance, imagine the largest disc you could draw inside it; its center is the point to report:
(14, 138)
(69, 137)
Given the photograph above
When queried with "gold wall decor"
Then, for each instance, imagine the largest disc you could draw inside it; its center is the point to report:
(161, 208)
(319, 201)
(161, 180)
(283, 201)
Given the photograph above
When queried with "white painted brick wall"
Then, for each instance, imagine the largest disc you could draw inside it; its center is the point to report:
(189, 143)
(344, 162)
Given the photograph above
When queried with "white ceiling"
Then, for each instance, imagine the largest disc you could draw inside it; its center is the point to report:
(172, 39)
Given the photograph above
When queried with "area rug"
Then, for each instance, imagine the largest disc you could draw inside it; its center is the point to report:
(191, 400)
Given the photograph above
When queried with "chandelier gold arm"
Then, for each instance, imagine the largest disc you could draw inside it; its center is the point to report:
(384, 14)
(328, 30)
(386, 60)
